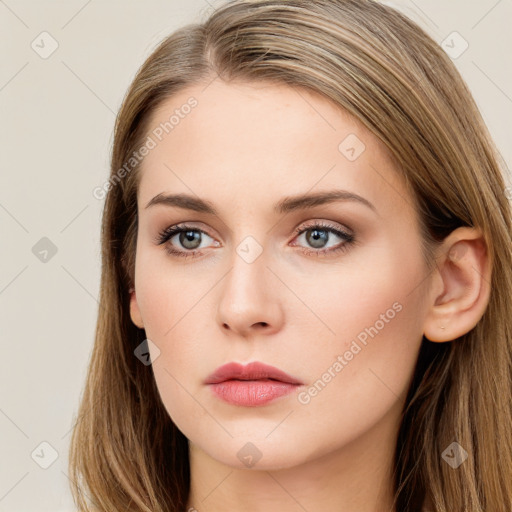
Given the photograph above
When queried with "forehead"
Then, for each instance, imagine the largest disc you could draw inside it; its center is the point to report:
(251, 143)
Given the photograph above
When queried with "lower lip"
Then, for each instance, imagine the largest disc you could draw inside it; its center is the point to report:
(251, 393)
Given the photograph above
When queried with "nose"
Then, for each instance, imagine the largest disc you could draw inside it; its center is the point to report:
(249, 302)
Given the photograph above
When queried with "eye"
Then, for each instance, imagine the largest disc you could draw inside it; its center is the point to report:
(319, 235)
(188, 237)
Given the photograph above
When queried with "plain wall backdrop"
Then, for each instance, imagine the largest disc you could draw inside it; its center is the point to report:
(66, 66)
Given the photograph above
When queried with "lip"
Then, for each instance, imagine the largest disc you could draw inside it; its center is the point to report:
(252, 385)
(252, 371)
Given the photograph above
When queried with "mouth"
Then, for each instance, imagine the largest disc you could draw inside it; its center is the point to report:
(252, 385)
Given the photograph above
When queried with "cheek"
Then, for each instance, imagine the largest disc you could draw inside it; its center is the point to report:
(165, 293)
(170, 302)
(370, 294)
(363, 373)
(376, 313)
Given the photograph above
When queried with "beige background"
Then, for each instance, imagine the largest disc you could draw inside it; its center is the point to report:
(57, 117)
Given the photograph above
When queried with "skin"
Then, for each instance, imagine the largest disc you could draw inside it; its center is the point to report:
(244, 148)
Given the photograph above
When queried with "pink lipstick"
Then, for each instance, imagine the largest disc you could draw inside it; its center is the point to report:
(252, 385)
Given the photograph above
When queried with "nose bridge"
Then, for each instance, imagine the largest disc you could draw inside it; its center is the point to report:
(247, 281)
(248, 299)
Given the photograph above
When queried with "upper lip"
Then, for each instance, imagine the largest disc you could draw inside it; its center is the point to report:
(252, 371)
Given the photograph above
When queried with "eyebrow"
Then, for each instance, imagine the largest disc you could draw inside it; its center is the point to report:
(286, 205)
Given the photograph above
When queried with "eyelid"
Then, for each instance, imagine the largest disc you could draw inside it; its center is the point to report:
(183, 226)
(325, 224)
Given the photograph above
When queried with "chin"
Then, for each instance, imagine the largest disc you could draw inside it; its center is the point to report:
(259, 453)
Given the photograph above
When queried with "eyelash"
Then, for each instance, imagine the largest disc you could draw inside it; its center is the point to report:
(165, 235)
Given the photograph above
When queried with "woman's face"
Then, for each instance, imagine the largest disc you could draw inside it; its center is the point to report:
(332, 292)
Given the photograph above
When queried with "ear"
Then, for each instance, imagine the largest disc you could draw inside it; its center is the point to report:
(135, 311)
(460, 287)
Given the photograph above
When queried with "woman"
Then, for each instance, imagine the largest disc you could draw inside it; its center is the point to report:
(306, 276)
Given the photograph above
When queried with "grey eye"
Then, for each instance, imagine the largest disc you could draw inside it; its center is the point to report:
(317, 237)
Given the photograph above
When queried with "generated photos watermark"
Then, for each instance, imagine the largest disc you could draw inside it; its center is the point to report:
(151, 142)
(357, 344)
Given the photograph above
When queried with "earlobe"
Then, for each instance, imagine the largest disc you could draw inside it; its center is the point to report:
(135, 311)
(461, 286)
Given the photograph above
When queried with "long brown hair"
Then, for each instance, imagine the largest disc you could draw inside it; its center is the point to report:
(126, 453)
